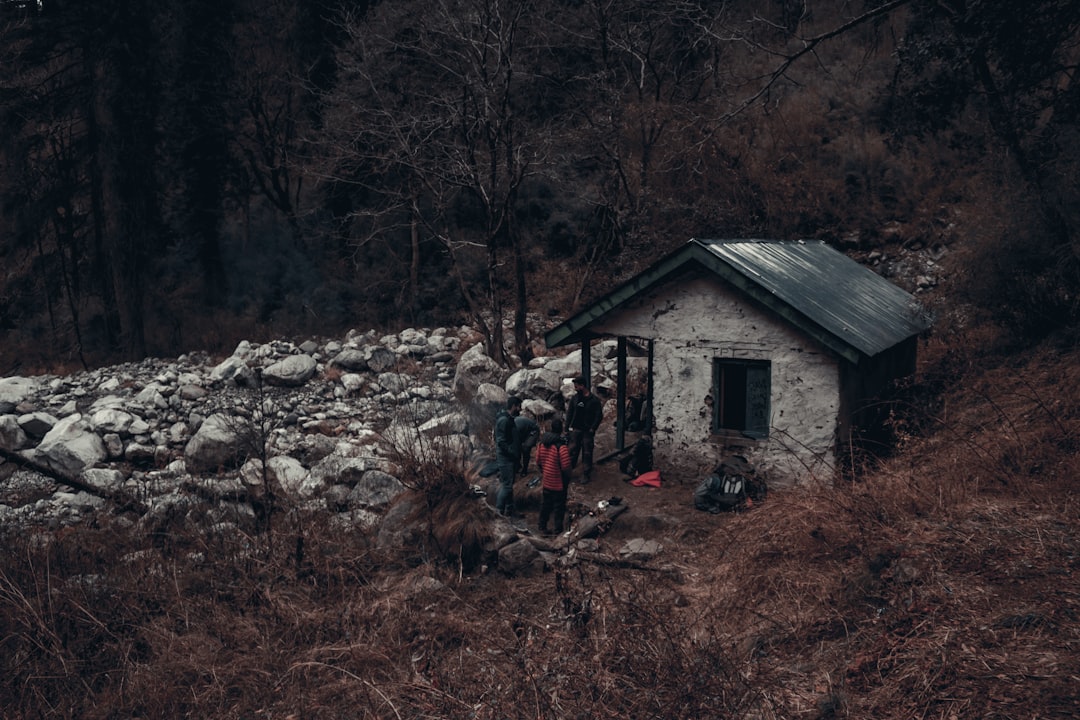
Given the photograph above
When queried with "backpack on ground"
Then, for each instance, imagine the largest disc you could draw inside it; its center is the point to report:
(730, 488)
(721, 493)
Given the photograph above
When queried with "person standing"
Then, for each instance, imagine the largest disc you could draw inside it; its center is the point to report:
(553, 459)
(529, 434)
(583, 420)
(507, 454)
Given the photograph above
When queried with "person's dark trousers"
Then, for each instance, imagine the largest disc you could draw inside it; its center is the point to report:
(504, 500)
(552, 502)
(581, 443)
(526, 455)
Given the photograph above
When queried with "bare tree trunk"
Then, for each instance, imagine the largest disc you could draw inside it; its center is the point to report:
(496, 342)
(521, 307)
(414, 268)
(100, 261)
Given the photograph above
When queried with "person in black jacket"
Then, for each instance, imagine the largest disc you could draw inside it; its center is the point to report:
(582, 420)
(507, 455)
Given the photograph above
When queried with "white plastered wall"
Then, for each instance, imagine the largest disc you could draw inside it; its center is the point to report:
(694, 320)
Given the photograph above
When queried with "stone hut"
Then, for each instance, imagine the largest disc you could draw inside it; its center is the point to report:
(779, 351)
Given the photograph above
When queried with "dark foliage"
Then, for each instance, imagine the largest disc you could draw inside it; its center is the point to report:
(181, 174)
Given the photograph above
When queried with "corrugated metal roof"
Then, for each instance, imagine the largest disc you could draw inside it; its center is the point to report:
(847, 306)
(845, 298)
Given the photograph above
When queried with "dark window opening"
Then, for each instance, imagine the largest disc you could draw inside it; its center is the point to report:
(741, 391)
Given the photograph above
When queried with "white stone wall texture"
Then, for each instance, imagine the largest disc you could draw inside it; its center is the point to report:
(697, 319)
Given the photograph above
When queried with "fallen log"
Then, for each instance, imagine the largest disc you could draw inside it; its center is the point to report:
(597, 523)
(576, 555)
(587, 526)
(121, 498)
(609, 561)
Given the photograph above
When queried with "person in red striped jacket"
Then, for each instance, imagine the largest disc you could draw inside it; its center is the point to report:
(553, 459)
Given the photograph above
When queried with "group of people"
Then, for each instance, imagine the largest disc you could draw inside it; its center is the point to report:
(556, 453)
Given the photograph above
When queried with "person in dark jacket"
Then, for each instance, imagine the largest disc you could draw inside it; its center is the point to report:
(553, 459)
(582, 420)
(507, 455)
(529, 434)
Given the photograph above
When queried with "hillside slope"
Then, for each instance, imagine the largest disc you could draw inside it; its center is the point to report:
(941, 584)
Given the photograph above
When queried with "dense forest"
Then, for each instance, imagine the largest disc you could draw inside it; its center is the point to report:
(181, 174)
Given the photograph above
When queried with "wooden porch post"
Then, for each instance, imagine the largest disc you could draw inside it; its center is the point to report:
(649, 393)
(586, 361)
(620, 394)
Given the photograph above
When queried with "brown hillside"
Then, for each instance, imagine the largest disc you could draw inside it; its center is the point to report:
(942, 584)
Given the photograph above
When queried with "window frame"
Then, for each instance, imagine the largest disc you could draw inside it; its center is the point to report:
(756, 395)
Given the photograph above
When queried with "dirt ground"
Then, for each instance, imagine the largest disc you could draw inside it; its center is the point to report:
(653, 513)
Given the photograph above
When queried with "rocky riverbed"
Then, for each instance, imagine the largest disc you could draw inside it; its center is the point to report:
(322, 424)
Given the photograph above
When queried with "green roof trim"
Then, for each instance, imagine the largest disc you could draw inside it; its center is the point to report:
(847, 307)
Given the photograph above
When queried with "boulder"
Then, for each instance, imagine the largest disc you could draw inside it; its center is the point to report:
(293, 371)
(538, 409)
(442, 343)
(111, 420)
(451, 423)
(352, 359)
(640, 550)
(190, 392)
(569, 366)
(565, 367)
(114, 446)
(218, 443)
(394, 382)
(380, 359)
(289, 475)
(229, 368)
(412, 336)
(140, 453)
(520, 558)
(401, 526)
(70, 447)
(539, 383)
(490, 399)
(106, 480)
(336, 469)
(151, 397)
(37, 424)
(12, 436)
(375, 489)
(474, 369)
(352, 382)
(14, 390)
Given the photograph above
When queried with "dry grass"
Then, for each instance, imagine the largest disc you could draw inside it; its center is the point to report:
(941, 585)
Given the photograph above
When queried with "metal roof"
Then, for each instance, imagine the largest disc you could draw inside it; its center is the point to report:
(848, 307)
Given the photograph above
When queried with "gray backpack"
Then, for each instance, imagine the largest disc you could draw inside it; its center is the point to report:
(721, 493)
(730, 488)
